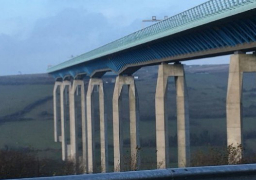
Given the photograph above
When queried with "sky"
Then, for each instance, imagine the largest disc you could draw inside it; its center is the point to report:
(37, 33)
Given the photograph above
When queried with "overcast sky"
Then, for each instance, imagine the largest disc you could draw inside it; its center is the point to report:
(38, 33)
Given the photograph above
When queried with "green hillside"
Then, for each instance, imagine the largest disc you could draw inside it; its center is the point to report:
(26, 112)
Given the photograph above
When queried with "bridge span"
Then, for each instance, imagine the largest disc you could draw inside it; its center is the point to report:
(214, 28)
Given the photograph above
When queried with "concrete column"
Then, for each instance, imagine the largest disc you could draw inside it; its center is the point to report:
(134, 126)
(183, 130)
(103, 127)
(65, 86)
(117, 132)
(117, 123)
(84, 130)
(239, 63)
(234, 104)
(162, 141)
(73, 118)
(103, 130)
(56, 111)
(90, 128)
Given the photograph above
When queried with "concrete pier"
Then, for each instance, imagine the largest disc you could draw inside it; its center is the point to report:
(239, 63)
(74, 120)
(65, 89)
(183, 131)
(56, 110)
(90, 125)
(84, 130)
(117, 124)
(162, 142)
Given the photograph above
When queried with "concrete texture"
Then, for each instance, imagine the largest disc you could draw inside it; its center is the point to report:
(90, 125)
(117, 123)
(182, 121)
(74, 119)
(84, 131)
(162, 142)
(103, 130)
(65, 89)
(239, 63)
(56, 110)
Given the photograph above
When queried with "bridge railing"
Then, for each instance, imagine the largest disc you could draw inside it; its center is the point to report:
(208, 8)
(234, 172)
(201, 11)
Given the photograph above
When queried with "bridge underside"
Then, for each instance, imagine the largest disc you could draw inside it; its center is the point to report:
(237, 33)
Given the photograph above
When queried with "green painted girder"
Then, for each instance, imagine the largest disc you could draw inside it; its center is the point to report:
(207, 12)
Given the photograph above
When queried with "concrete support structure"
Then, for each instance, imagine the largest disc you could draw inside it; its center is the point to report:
(65, 89)
(176, 70)
(239, 63)
(90, 125)
(74, 121)
(134, 123)
(84, 132)
(56, 111)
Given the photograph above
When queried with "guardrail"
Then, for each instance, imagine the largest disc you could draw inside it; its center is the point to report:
(232, 172)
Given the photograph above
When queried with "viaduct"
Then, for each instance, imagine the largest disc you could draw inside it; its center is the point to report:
(214, 28)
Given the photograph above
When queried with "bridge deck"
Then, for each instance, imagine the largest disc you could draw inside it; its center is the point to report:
(145, 46)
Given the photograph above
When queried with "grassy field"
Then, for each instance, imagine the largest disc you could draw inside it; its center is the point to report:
(15, 97)
(207, 101)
